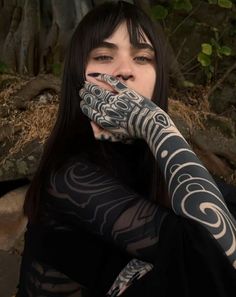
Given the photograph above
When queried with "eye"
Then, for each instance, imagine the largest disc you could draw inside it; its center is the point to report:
(143, 59)
(103, 58)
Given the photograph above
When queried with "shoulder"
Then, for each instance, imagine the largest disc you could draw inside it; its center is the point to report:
(79, 170)
(77, 165)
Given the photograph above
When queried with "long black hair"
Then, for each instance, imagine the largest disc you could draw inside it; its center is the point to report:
(72, 133)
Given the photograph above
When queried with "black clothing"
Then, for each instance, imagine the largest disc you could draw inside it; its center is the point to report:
(91, 226)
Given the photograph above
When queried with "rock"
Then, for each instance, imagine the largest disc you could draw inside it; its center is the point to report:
(21, 164)
(12, 220)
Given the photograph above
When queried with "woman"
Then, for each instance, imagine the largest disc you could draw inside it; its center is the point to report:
(99, 215)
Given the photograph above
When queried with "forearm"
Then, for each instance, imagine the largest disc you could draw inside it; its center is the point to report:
(191, 188)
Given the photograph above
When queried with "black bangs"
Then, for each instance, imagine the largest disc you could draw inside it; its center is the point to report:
(101, 23)
(136, 33)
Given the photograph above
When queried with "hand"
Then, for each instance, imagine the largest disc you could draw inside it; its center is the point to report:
(101, 134)
(124, 112)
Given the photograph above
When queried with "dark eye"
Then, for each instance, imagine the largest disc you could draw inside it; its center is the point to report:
(103, 58)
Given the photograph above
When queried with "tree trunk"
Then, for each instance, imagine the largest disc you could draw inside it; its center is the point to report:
(34, 34)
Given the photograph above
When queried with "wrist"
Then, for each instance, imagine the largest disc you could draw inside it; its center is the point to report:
(156, 125)
(149, 123)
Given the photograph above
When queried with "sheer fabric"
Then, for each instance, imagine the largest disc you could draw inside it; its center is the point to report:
(92, 227)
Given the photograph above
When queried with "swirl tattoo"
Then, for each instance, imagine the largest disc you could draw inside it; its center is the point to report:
(192, 190)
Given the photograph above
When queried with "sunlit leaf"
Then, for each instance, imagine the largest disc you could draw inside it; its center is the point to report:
(225, 50)
(225, 3)
(204, 59)
(188, 84)
(207, 48)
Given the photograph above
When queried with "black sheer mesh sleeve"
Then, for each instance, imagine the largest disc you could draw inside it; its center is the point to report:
(86, 196)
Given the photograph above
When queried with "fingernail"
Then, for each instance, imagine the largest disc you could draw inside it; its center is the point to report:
(94, 74)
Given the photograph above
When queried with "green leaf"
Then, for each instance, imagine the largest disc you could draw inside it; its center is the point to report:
(188, 84)
(159, 12)
(207, 48)
(204, 59)
(212, 1)
(225, 50)
(183, 5)
(225, 3)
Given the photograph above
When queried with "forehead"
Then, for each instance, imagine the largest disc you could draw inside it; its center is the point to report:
(132, 35)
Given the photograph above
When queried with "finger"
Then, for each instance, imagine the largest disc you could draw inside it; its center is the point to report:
(100, 83)
(95, 116)
(89, 111)
(90, 99)
(97, 91)
(112, 81)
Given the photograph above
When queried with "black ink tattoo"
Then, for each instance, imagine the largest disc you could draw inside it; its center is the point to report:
(192, 190)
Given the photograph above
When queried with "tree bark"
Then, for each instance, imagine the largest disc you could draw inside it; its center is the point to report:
(34, 34)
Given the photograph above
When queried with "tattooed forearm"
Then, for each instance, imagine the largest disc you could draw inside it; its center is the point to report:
(192, 190)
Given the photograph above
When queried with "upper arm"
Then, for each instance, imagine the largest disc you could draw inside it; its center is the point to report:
(91, 198)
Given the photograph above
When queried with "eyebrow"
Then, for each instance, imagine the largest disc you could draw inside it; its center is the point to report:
(111, 45)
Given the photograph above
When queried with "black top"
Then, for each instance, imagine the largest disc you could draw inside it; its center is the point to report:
(91, 226)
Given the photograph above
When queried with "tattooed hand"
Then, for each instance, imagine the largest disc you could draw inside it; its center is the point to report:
(191, 188)
(124, 112)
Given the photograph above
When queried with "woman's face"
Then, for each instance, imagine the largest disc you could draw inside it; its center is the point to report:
(134, 65)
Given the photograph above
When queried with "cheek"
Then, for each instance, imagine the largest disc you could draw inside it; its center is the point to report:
(152, 85)
(148, 84)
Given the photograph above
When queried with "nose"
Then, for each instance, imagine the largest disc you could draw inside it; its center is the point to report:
(124, 70)
(124, 77)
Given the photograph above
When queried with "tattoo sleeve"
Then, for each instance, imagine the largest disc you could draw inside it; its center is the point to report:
(87, 196)
(192, 190)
